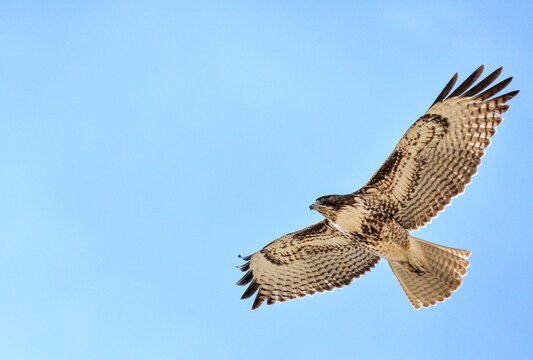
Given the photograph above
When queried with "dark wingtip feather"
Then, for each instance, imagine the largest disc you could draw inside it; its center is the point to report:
(245, 258)
(494, 90)
(244, 267)
(251, 290)
(246, 279)
(446, 90)
(468, 82)
(484, 83)
(502, 99)
(259, 299)
(509, 95)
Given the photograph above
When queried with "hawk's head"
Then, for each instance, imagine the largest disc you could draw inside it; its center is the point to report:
(329, 205)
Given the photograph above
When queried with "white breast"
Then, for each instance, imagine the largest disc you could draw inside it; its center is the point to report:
(349, 219)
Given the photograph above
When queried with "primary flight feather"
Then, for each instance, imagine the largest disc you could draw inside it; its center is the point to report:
(432, 163)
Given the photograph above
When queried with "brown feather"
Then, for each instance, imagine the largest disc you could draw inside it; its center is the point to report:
(446, 90)
(484, 83)
(468, 82)
(494, 90)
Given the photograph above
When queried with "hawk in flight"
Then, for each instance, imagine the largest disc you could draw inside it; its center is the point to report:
(431, 164)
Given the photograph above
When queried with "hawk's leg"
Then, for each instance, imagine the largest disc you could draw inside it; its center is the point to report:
(413, 265)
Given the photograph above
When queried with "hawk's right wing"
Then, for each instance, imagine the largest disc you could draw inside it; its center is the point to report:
(317, 258)
(437, 157)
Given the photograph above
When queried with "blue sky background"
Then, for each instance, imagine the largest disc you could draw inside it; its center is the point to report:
(143, 145)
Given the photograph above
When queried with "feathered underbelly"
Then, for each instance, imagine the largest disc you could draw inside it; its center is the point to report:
(374, 230)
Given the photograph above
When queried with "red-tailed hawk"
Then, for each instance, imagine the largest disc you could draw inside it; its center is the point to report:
(432, 163)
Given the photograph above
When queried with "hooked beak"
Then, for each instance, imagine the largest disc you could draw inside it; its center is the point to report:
(313, 206)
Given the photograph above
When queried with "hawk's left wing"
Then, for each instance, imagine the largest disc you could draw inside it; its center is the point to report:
(317, 258)
(439, 154)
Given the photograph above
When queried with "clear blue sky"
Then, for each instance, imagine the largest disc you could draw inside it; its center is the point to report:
(143, 145)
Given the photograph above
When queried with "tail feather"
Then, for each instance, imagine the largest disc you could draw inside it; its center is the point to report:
(433, 272)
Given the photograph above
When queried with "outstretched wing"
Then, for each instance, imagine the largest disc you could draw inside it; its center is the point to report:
(437, 157)
(316, 258)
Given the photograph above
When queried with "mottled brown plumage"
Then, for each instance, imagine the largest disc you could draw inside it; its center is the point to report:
(432, 163)
(315, 259)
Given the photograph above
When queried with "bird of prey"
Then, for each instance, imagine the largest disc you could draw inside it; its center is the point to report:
(431, 164)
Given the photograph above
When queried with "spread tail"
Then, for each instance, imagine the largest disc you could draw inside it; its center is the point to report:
(431, 273)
